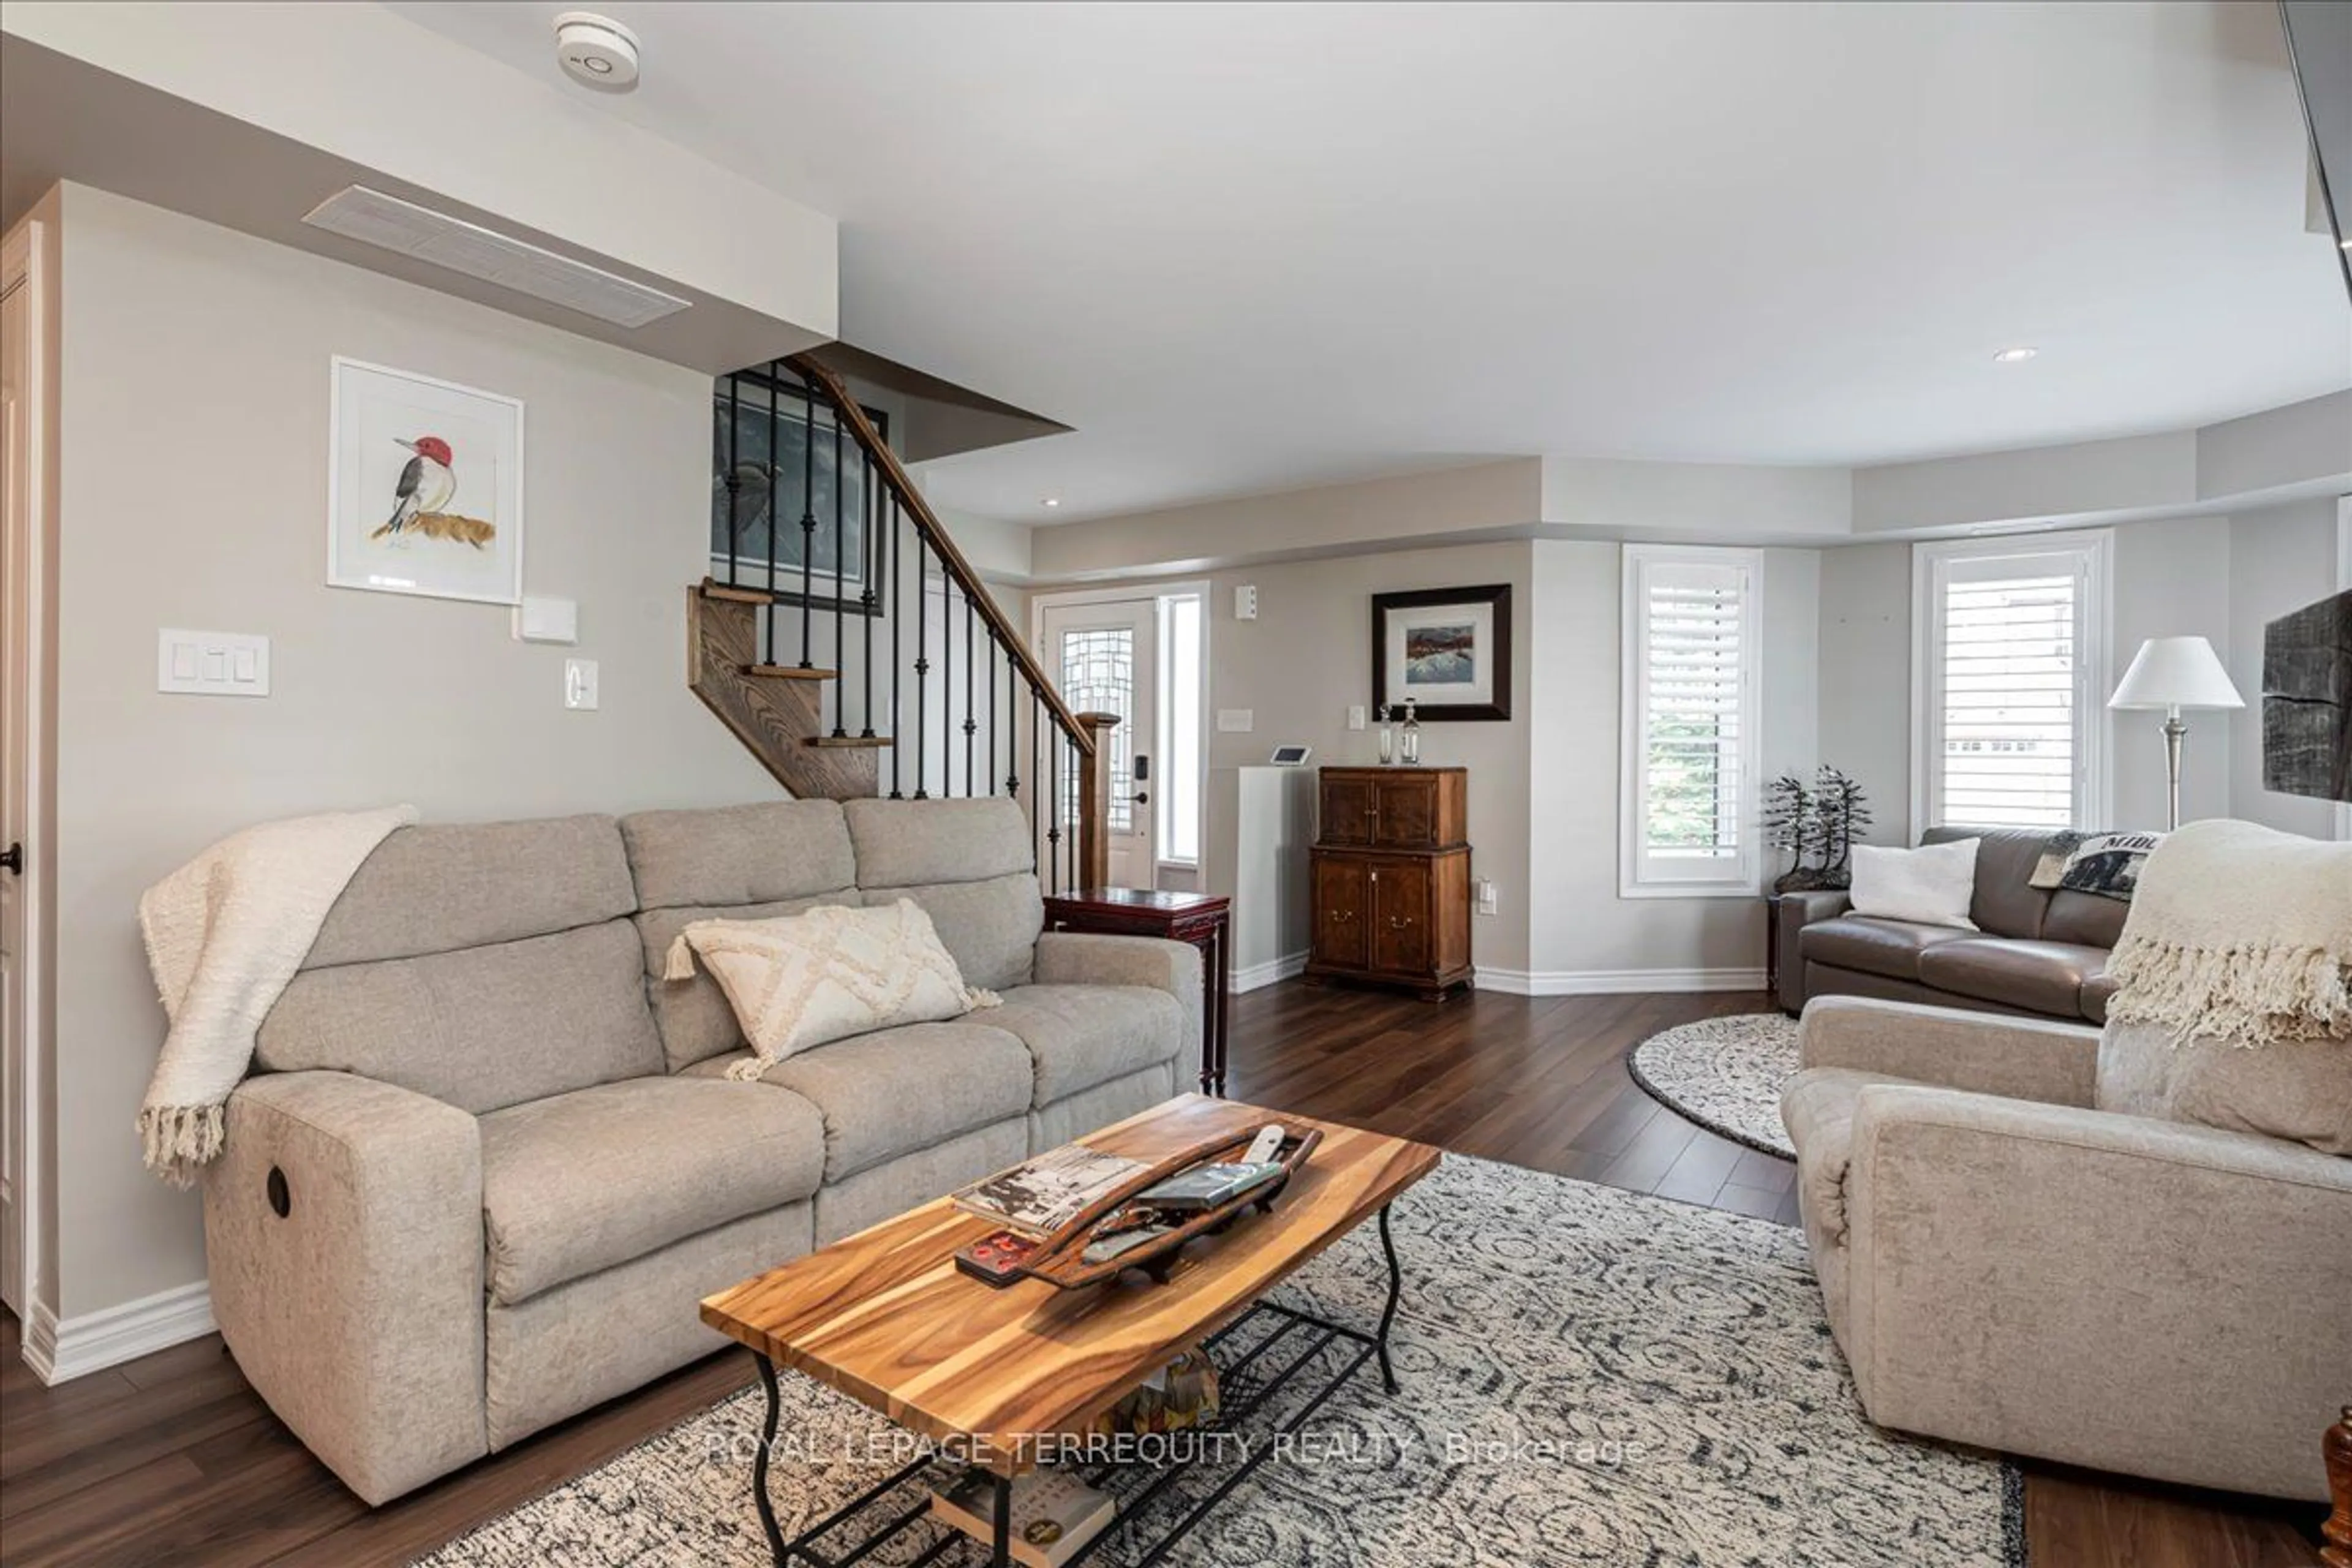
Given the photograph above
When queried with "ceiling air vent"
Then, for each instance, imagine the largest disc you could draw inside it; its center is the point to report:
(374, 218)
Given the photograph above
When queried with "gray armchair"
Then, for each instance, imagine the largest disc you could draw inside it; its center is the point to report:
(2008, 1267)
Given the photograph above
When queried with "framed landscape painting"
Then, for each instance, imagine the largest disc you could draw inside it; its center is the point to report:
(424, 485)
(1446, 649)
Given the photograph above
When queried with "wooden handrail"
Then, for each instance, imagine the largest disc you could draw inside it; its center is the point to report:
(846, 409)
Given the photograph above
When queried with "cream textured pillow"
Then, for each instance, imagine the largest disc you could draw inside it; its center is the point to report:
(834, 972)
(1931, 884)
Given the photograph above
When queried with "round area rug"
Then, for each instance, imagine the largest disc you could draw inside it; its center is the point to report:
(1724, 1074)
(1590, 1379)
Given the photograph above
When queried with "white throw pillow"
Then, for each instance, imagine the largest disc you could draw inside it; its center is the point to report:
(1931, 885)
(833, 971)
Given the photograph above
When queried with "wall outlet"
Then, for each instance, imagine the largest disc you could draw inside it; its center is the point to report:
(1488, 902)
(580, 684)
(212, 664)
(1236, 721)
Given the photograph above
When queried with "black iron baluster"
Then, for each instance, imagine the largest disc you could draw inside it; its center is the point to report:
(945, 678)
(993, 737)
(897, 674)
(871, 572)
(922, 656)
(768, 611)
(808, 514)
(734, 476)
(1011, 725)
(970, 724)
(1054, 811)
(840, 565)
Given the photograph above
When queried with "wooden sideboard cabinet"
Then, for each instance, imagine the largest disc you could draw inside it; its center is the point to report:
(1390, 878)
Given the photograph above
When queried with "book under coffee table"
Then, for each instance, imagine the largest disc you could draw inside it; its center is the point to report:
(998, 1378)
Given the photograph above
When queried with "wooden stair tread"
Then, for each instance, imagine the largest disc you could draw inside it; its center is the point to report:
(848, 741)
(733, 595)
(790, 672)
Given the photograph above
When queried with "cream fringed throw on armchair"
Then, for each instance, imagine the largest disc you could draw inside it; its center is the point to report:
(2238, 932)
(224, 934)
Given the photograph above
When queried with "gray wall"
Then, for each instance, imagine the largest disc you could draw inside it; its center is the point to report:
(2281, 559)
(1307, 657)
(194, 419)
(2214, 578)
(1865, 677)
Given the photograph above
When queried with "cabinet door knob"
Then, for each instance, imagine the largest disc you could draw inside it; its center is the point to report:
(1399, 922)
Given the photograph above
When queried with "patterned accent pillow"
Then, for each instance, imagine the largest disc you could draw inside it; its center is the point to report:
(2107, 864)
(805, 980)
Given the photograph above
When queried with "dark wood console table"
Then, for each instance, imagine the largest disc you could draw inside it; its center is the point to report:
(1204, 919)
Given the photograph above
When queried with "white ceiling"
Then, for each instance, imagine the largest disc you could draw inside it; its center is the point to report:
(1243, 249)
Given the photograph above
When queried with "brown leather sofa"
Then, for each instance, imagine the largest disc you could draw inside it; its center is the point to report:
(2039, 954)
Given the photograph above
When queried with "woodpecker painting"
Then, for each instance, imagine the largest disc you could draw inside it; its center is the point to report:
(426, 484)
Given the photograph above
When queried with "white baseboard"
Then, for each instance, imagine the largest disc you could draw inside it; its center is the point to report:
(59, 1352)
(1615, 982)
(1257, 976)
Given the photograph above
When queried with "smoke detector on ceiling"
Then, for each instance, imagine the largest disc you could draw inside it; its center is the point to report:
(596, 51)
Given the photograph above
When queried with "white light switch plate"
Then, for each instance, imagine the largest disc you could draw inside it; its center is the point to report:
(1355, 716)
(1245, 601)
(212, 664)
(1236, 721)
(1488, 899)
(580, 683)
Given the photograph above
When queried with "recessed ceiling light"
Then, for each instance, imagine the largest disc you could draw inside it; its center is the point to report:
(2015, 356)
(1051, 500)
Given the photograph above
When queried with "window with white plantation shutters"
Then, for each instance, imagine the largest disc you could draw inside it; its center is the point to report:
(2011, 685)
(1691, 663)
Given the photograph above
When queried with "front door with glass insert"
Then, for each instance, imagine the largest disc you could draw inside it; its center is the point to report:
(1102, 656)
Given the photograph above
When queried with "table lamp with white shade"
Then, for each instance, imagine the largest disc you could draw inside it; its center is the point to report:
(2173, 673)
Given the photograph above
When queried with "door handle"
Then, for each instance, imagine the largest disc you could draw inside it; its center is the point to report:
(12, 859)
(1142, 797)
(1398, 922)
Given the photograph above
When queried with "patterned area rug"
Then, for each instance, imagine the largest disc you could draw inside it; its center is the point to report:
(1724, 1074)
(1589, 1377)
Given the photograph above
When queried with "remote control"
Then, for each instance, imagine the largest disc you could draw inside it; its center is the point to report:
(1269, 1141)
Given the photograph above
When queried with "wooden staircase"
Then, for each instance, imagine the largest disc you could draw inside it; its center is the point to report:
(944, 695)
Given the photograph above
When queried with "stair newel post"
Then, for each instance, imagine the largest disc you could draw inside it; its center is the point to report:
(840, 577)
(922, 659)
(808, 520)
(871, 574)
(1091, 866)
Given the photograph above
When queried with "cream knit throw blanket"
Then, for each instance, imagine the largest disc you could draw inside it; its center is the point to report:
(224, 934)
(2238, 933)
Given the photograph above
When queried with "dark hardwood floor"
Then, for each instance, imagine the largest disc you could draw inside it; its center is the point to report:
(173, 1459)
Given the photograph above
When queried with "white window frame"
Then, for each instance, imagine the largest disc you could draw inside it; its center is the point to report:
(1637, 876)
(2090, 554)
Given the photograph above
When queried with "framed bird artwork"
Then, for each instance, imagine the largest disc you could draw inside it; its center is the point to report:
(424, 485)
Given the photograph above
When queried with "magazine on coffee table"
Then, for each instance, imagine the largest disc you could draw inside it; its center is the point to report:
(1040, 1196)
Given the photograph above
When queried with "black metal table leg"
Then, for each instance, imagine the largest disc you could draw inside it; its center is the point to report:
(1388, 1313)
(1001, 1553)
(759, 1464)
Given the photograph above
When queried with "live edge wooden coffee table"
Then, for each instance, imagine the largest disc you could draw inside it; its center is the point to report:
(996, 1379)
